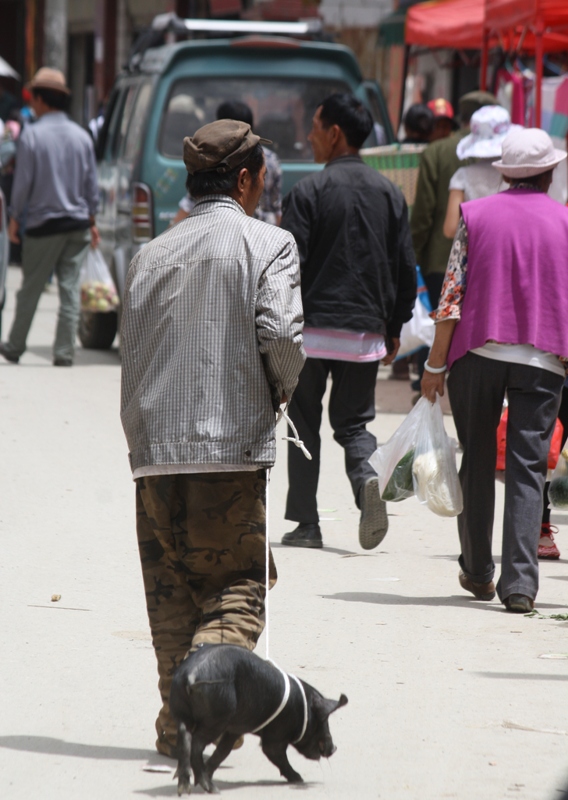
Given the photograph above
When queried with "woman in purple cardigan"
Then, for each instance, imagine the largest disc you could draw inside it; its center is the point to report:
(501, 328)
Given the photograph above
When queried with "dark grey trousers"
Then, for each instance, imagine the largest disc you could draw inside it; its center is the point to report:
(476, 387)
(351, 407)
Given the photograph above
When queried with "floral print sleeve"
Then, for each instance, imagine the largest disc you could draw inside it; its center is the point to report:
(453, 289)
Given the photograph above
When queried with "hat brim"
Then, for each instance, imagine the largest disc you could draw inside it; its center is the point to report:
(51, 85)
(470, 147)
(529, 170)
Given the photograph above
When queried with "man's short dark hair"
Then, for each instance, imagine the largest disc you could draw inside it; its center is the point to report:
(234, 109)
(52, 98)
(203, 183)
(350, 115)
(419, 119)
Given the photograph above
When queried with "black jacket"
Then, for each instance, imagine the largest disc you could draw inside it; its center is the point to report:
(357, 262)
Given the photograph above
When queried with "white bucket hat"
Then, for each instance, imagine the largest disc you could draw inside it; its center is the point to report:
(528, 152)
(489, 127)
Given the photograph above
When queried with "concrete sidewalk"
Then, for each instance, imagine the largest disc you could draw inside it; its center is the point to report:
(448, 697)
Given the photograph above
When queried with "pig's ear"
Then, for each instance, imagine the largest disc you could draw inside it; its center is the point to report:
(325, 707)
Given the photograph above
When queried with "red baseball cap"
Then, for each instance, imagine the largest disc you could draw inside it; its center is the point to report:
(441, 108)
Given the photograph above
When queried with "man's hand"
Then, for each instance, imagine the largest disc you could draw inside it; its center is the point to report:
(432, 385)
(393, 346)
(13, 228)
(95, 237)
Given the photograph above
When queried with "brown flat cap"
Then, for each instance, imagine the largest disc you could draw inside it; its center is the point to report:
(219, 146)
(48, 78)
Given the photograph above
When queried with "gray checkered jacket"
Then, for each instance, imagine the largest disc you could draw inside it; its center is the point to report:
(211, 338)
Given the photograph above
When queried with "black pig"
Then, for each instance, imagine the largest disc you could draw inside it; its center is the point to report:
(222, 691)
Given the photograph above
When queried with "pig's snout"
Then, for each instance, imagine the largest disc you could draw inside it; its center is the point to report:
(327, 749)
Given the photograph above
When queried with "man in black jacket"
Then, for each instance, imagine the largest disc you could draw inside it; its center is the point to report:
(358, 288)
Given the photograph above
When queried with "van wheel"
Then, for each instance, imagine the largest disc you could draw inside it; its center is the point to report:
(97, 331)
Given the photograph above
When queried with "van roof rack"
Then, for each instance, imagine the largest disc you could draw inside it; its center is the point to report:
(166, 27)
(172, 23)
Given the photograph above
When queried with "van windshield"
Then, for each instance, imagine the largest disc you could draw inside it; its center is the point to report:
(282, 110)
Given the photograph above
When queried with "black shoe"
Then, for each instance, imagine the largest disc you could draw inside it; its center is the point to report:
(62, 362)
(307, 534)
(8, 356)
(519, 604)
(374, 523)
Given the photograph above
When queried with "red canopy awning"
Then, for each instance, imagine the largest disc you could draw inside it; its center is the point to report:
(454, 24)
(459, 24)
(550, 14)
(528, 26)
(543, 24)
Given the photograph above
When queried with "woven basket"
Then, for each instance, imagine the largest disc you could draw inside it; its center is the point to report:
(399, 163)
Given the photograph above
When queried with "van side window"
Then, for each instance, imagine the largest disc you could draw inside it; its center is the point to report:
(106, 132)
(122, 127)
(133, 139)
(115, 110)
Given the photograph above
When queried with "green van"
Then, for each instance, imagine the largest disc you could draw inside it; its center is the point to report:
(176, 89)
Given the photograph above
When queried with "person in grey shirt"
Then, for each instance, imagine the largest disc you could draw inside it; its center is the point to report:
(55, 186)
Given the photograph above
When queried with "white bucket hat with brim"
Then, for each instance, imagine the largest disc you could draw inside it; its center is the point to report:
(489, 126)
(528, 152)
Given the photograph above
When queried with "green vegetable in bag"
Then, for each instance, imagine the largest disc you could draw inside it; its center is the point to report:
(400, 484)
(558, 489)
(558, 492)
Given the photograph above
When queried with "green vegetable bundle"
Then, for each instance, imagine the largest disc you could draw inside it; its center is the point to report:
(400, 484)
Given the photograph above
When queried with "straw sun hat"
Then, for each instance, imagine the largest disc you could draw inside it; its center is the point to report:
(48, 78)
(528, 152)
(489, 127)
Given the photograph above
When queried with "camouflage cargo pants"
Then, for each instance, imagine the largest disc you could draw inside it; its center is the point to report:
(202, 547)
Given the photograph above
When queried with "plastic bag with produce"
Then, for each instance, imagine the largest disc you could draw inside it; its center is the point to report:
(393, 461)
(558, 489)
(98, 292)
(436, 481)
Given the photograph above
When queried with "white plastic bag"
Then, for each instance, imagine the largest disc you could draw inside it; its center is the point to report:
(558, 489)
(98, 292)
(395, 478)
(418, 332)
(436, 481)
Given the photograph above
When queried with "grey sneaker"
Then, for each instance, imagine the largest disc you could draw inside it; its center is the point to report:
(374, 523)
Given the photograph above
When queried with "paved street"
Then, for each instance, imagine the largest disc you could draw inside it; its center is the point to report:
(448, 697)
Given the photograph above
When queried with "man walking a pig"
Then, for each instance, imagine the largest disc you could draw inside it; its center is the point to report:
(211, 344)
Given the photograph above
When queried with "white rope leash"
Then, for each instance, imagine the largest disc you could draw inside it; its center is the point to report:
(283, 702)
(295, 439)
(267, 570)
(298, 442)
(305, 703)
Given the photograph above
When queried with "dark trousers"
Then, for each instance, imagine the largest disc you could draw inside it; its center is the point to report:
(351, 407)
(476, 387)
